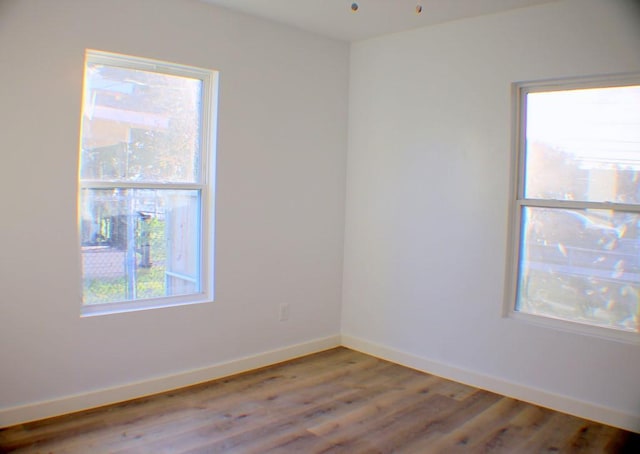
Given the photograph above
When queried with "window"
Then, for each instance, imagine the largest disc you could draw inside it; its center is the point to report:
(146, 183)
(576, 223)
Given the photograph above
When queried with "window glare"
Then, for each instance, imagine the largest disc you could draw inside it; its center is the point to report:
(140, 126)
(581, 265)
(583, 144)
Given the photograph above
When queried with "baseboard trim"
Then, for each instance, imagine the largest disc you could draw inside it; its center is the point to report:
(107, 396)
(500, 386)
(84, 401)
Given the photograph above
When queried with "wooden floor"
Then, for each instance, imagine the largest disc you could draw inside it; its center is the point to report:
(335, 401)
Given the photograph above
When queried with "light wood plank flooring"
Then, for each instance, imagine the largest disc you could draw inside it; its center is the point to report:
(331, 402)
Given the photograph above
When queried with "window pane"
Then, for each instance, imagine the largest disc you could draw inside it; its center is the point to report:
(584, 145)
(140, 126)
(581, 265)
(139, 243)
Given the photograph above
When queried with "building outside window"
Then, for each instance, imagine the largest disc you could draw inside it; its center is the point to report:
(146, 183)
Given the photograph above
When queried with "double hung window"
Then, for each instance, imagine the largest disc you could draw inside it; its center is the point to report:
(576, 222)
(146, 183)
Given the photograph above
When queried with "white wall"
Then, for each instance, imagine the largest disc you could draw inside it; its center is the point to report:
(280, 199)
(428, 195)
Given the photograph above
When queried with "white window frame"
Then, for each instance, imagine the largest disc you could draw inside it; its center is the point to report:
(518, 202)
(206, 186)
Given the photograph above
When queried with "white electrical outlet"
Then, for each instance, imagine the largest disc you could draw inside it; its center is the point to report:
(284, 312)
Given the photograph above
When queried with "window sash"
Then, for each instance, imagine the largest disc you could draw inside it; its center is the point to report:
(93, 184)
(208, 102)
(579, 205)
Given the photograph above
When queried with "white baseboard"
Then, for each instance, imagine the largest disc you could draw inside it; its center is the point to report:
(84, 401)
(92, 399)
(518, 391)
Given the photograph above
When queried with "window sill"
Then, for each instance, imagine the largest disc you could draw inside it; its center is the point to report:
(584, 329)
(92, 310)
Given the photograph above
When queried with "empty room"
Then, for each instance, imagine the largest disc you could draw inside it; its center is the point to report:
(319, 226)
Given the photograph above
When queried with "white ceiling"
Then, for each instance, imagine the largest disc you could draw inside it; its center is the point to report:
(334, 18)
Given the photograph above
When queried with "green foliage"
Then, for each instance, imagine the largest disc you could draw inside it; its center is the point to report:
(150, 282)
(157, 240)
